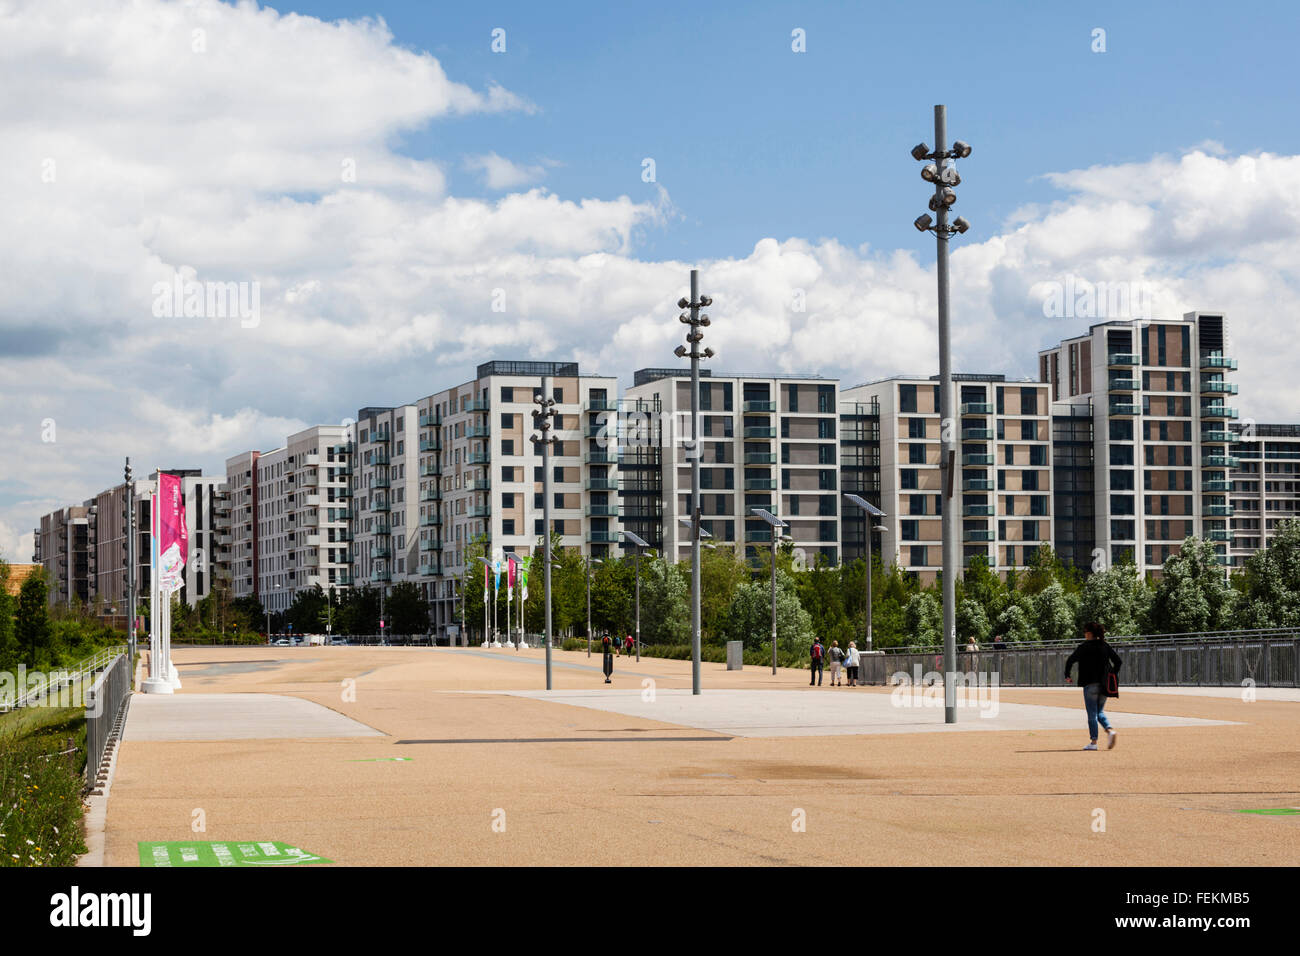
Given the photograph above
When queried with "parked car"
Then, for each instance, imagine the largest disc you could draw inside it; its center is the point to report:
(282, 643)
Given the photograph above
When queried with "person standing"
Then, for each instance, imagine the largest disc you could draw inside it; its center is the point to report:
(837, 657)
(851, 660)
(607, 653)
(1096, 659)
(815, 662)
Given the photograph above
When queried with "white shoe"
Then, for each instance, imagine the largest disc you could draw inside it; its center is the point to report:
(1090, 747)
(1110, 739)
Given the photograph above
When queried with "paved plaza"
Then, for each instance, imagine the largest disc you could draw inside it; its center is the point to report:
(372, 756)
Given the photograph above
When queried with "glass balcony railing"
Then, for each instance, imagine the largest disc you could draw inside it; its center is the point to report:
(977, 434)
(983, 511)
(977, 408)
(1119, 384)
(1220, 461)
(760, 484)
(760, 458)
(977, 484)
(760, 406)
(1215, 410)
(760, 431)
(1217, 360)
(977, 459)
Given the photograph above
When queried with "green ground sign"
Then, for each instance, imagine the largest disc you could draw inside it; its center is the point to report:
(235, 853)
(1274, 811)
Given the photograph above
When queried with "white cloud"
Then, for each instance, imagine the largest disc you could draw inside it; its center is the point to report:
(269, 158)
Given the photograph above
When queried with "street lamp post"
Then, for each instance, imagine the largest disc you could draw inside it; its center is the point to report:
(869, 512)
(590, 562)
(943, 173)
(543, 417)
(697, 322)
(774, 523)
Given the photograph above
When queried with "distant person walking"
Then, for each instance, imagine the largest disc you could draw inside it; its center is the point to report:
(999, 642)
(851, 661)
(627, 645)
(815, 655)
(607, 653)
(837, 658)
(1097, 660)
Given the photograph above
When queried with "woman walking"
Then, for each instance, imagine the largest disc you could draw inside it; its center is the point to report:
(851, 663)
(837, 658)
(1095, 658)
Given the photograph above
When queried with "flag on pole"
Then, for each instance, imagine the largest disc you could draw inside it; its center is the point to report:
(496, 581)
(487, 576)
(173, 536)
(523, 578)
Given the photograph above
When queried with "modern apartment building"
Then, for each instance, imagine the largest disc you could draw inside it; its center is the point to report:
(480, 476)
(766, 441)
(1161, 458)
(62, 546)
(385, 495)
(1265, 486)
(237, 509)
(1003, 465)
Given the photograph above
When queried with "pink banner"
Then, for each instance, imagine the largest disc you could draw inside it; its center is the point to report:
(173, 536)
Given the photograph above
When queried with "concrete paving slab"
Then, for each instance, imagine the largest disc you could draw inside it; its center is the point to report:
(192, 717)
(1291, 694)
(792, 713)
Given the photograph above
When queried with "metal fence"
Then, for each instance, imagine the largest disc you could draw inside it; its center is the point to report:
(1218, 659)
(104, 701)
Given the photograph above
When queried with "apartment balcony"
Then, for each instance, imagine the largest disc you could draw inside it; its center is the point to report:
(430, 521)
(342, 536)
(599, 456)
(977, 459)
(478, 484)
(381, 482)
(606, 431)
(977, 408)
(224, 541)
(478, 405)
(479, 511)
(760, 484)
(1121, 359)
(760, 458)
(343, 578)
(341, 495)
(1219, 535)
(381, 434)
(977, 484)
(380, 506)
(602, 405)
(430, 471)
(382, 527)
(1215, 410)
(343, 471)
(431, 544)
(1218, 511)
(1216, 484)
(758, 534)
(379, 456)
(309, 501)
(603, 537)
(977, 434)
(602, 484)
(1125, 409)
(430, 570)
(1220, 461)
(1217, 386)
(478, 458)
(977, 535)
(312, 541)
(1123, 385)
(604, 511)
(430, 444)
(381, 576)
(478, 431)
(383, 551)
(1219, 437)
(1213, 360)
(431, 494)
(430, 419)
(977, 511)
(759, 406)
(760, 431)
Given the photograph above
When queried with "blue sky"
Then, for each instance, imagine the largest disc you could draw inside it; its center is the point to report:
(752, 140)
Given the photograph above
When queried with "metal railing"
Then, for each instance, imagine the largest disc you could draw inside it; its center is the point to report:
(1268, 658)
(104, 700)
(45, 684)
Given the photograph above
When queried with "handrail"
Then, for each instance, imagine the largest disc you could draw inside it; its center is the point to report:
(97, 661)
(1197, 637)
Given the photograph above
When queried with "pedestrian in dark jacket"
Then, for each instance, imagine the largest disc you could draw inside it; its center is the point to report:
(815, 654)
(1094, 657)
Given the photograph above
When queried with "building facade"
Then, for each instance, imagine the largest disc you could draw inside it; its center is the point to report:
(1265, 486)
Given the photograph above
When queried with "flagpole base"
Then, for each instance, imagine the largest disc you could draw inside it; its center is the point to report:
(156, 685)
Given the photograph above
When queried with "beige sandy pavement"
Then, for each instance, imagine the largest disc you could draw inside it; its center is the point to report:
(586, 775)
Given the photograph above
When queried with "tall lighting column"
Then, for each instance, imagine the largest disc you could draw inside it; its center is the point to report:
(697, 322)
(941, 170)
(869, 512)
(542, 419)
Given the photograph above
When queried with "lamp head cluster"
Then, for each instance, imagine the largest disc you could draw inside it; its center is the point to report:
(542, 420)
(691, 316)
(940, 170)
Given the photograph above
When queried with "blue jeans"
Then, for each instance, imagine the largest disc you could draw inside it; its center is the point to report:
(1095, 704)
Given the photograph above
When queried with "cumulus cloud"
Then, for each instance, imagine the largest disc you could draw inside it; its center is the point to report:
(237, 144)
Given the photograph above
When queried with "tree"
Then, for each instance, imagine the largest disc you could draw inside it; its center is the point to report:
(1192, 594)
(1014, 624)
(923, 619)
(1270, 582)
(32, 623)
(821, 592)
(972, 621)
(406, 609)
(611, 596)
(749, 618)
(1116, 598)
(1054, 613)
(8, 642)
(721, 573)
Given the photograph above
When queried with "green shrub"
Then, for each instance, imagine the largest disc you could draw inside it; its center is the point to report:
(40, 789)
